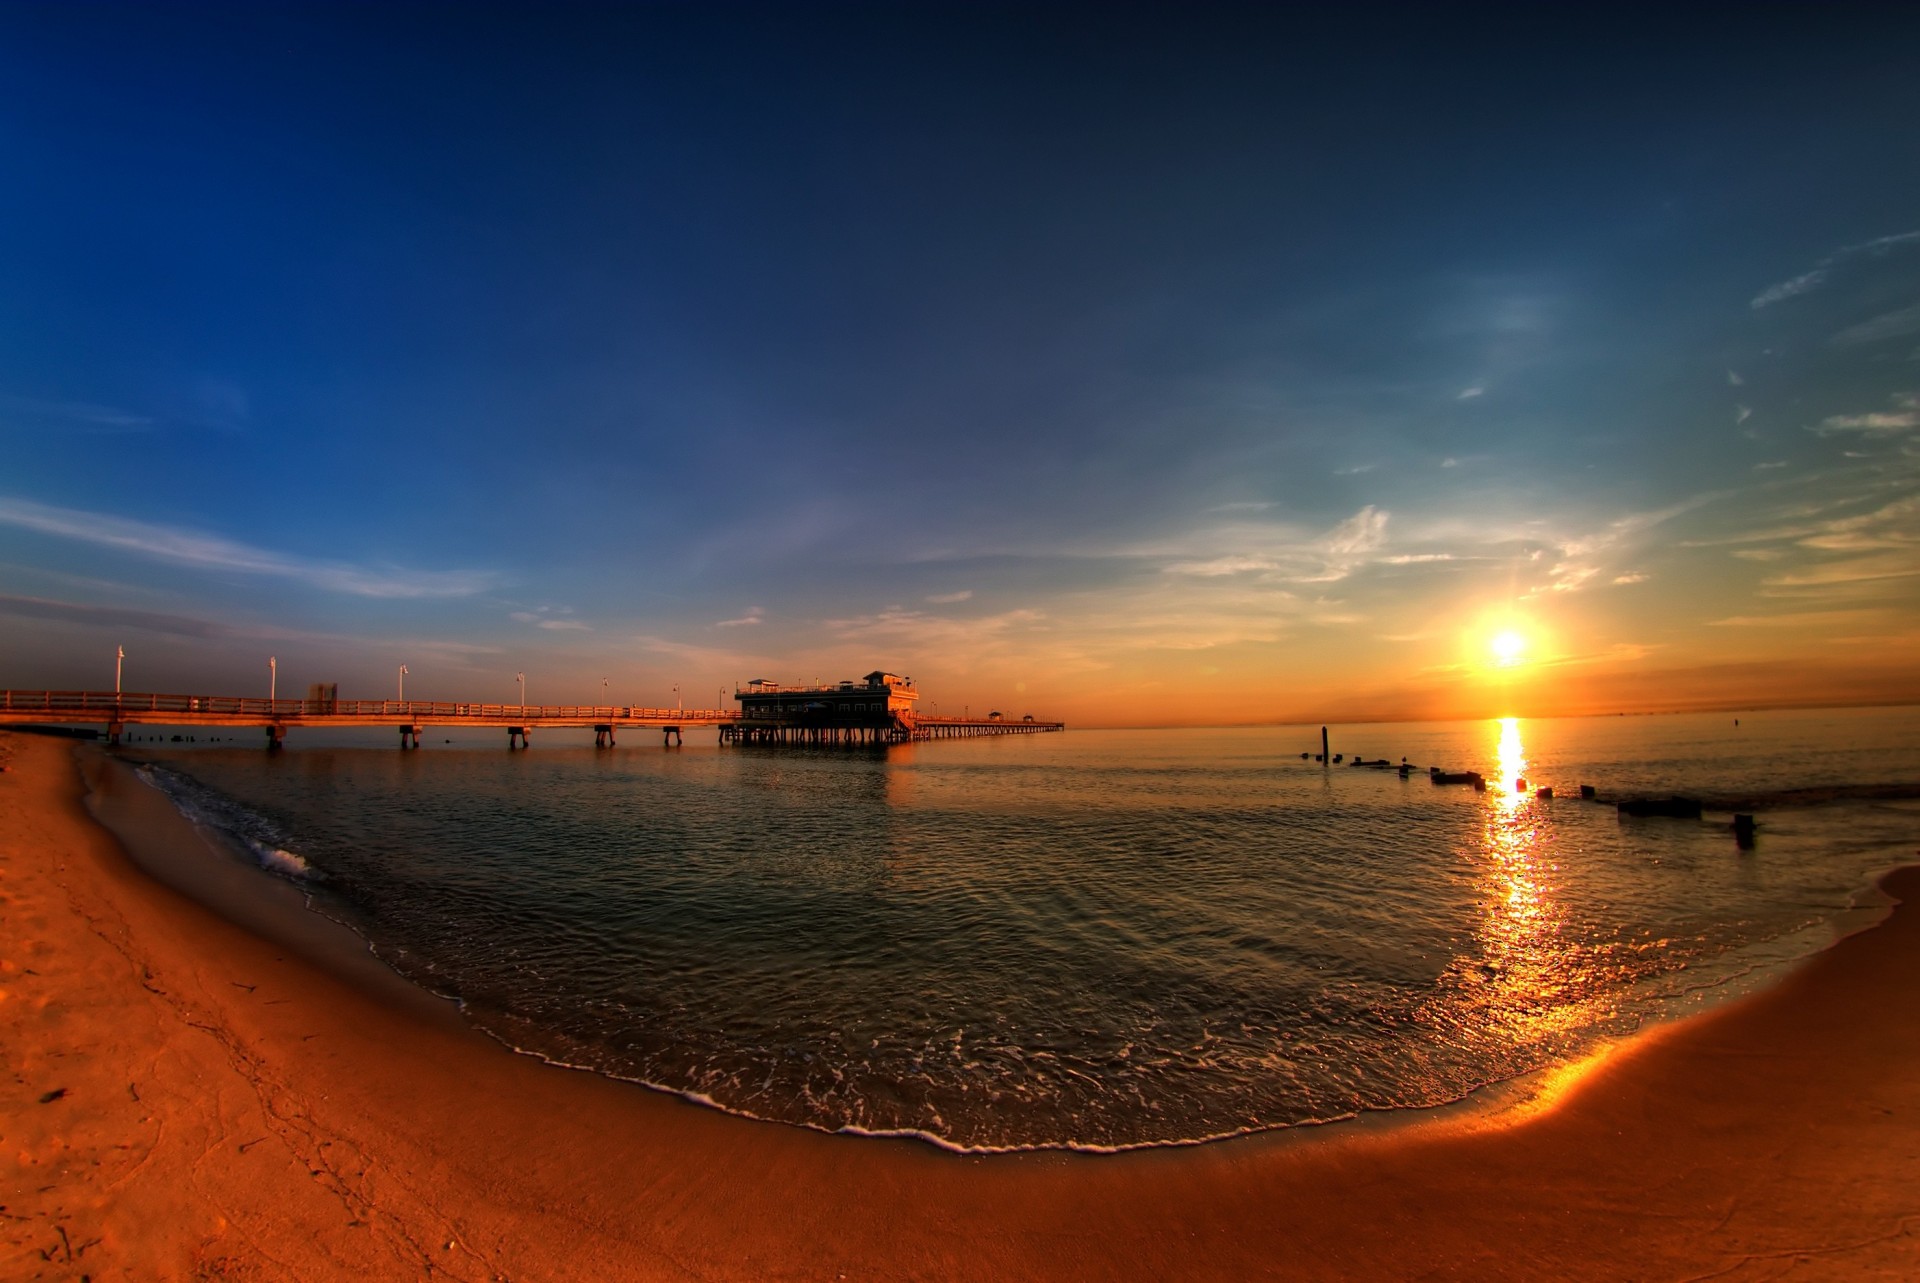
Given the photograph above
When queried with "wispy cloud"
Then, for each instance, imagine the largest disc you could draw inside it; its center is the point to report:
(1364, 531)
(1797, 619)
(948, 598)
(916, 634)
(1904, 415)
(200, 628)
(752, 618)
(1888, 325)
(1584, 557)
(1214, 567)
(1789, 289)
(1468, 394)
(1822, 272)
(1881, 244)
(75, 416)
(1898, 564)
(555, 619)
(201, 551)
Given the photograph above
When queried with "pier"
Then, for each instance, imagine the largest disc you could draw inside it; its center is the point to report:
(812, 718)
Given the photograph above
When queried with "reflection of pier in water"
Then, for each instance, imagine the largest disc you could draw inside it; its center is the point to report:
(879, 710)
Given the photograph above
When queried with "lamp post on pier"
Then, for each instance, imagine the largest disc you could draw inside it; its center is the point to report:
(273, 678)
(119, 657)
(522, 679)
(402, 692)
(676, 697)
(603, 692)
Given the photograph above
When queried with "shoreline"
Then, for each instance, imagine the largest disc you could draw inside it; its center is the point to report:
(227, 1106)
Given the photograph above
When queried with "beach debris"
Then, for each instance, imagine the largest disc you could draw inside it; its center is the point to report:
(1586, 793)
(47, 1098)
(1676, 808)
(1474, 778)
(1743, 831)
(1544, 794)
(1520, 785)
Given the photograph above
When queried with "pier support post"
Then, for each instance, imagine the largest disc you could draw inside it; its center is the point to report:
(517, 738)
(113, 733)
(1323, 745)
(603, 735)
(409, 737)
(276, 738)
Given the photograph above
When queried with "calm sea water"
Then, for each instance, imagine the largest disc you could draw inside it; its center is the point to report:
(1098, 939)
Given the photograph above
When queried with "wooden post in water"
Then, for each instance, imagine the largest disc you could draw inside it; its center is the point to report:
(1323, 745)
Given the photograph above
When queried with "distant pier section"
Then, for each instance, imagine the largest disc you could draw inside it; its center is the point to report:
(880, 709)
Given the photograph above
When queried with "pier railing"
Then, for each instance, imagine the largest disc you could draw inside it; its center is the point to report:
(97, 705)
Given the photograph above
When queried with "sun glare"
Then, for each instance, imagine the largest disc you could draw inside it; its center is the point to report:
(1508, 647)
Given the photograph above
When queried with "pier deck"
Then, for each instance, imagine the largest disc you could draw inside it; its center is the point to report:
(116, 710)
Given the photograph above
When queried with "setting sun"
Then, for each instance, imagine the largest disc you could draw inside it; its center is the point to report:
(1509, 648)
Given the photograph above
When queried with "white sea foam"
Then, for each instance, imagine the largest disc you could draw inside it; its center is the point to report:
(207, 812)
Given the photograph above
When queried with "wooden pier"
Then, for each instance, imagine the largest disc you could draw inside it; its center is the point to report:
(115, 711)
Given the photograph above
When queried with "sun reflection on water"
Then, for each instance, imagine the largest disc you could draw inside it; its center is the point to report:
(1513, 762)
(1524, 959)
(1522, 980)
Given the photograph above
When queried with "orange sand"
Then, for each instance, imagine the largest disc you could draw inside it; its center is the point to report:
(184, 1100)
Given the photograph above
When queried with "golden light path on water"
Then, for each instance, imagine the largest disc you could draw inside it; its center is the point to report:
(1535, 977)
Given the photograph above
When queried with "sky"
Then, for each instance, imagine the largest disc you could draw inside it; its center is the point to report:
(1128, 366)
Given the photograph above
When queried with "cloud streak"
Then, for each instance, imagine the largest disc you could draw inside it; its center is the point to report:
(1822, 271)
(198, 550)
(1888, 325)
(1905, 415)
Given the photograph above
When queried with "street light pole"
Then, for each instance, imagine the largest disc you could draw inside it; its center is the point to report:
(522, 679)
(676, 697)
(273, 679)
(119, 657)
(603, 692)
(403, 684)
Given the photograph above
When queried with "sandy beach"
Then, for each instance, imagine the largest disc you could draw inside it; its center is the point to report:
(188, 1098)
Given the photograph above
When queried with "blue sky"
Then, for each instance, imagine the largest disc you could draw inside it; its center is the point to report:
(1149, 365)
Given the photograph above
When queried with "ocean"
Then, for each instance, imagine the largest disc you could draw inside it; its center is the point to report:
(1095, 940)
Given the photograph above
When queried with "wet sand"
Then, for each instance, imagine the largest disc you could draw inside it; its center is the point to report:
(188, 1099)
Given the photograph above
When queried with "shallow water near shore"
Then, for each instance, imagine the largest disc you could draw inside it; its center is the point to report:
(1096, 940)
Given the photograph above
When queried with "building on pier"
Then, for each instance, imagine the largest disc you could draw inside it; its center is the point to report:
(877, 709)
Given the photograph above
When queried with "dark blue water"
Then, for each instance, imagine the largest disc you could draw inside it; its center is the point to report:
(1098, 939)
